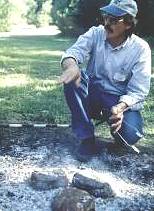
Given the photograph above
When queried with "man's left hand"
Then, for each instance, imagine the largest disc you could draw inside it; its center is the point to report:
(117, 116)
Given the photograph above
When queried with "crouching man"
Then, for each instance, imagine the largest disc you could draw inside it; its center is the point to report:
(115, 82)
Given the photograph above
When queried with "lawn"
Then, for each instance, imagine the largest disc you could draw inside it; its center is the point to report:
(29, 67)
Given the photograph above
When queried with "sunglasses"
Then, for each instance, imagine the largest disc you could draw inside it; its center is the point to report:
(111, 20)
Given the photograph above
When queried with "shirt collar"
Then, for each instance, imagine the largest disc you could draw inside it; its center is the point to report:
(122, 45)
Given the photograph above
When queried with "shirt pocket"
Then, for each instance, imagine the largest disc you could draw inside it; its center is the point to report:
(122, 76)
(119, 77)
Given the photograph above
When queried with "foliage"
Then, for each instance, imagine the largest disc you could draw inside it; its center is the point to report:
(75, 16)
(65, 15)
(12, 12)
(44, 17)
(39, 12)
(146, 17)
(5, 10)
(90, 13)
(31, 15)
(18, 12)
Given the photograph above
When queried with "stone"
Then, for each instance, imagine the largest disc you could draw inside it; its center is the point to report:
(47, 181)
(92, 186)
(73, 199)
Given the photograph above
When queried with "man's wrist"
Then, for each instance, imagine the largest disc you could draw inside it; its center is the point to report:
(68, 62)
(123, 105)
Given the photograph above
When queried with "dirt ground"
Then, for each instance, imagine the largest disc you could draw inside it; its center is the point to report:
(24, 150)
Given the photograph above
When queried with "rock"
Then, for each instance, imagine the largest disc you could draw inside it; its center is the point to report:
(73, 199)
(44, 181)
(97, 189)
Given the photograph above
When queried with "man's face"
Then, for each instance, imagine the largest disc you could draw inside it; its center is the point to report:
(115, 27)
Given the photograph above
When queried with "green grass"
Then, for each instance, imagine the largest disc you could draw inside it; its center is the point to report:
(29, 67)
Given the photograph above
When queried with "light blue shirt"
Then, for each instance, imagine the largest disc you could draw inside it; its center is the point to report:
(124, 70)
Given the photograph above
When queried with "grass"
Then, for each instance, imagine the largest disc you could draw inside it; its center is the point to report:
(29, 67)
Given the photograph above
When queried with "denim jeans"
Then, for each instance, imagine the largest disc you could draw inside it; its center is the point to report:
(88, 101)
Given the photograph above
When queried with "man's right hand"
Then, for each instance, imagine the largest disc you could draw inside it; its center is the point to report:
(71, 72)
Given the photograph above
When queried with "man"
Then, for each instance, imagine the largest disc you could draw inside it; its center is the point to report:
(116, 80)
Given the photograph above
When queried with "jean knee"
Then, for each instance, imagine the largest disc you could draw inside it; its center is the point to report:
(132, 137)
(132, 127)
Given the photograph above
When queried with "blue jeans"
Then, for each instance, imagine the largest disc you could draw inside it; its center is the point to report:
(88, 101)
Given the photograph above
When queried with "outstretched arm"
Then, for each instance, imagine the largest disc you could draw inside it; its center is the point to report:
(71, 72)
(75, 55)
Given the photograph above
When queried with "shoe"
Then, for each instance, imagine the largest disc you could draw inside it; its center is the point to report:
(86, 150)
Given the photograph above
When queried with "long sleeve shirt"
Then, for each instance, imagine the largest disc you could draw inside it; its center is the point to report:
(124, 70)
